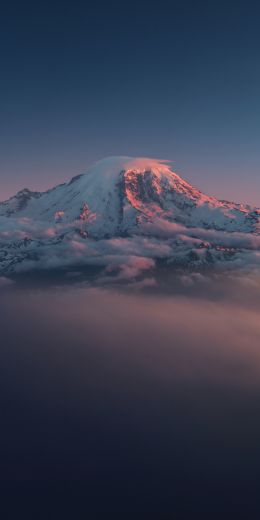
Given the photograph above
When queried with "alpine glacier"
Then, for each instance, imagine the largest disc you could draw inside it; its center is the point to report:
(127, 215)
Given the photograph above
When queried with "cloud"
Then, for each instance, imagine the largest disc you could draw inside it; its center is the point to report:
(5, 282)
(166, 229)
(26, 244)
(146, 283)
(126, 268)
(179, 337)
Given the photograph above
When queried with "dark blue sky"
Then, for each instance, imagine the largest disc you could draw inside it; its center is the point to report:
(177, 80)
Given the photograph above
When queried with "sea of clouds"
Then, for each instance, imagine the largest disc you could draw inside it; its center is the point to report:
(27, 245)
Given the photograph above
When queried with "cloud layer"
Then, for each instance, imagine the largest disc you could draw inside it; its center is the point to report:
(26, 244)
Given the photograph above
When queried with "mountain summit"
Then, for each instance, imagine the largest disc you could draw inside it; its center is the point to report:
(119, 194)
(141, 201)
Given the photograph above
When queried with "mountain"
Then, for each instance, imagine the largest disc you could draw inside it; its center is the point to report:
(121, 192)
(123, 207)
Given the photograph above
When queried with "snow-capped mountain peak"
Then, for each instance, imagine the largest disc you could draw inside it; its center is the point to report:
(122, 192)
(122, 197)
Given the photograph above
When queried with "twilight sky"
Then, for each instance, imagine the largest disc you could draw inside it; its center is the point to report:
(175, 80)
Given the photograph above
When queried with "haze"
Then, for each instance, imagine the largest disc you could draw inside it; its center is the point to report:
(141, 400)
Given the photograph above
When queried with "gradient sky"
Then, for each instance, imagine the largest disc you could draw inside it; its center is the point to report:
(176, 80)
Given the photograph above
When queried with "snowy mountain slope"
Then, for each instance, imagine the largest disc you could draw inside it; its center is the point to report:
(120, 192)
(78, 222)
